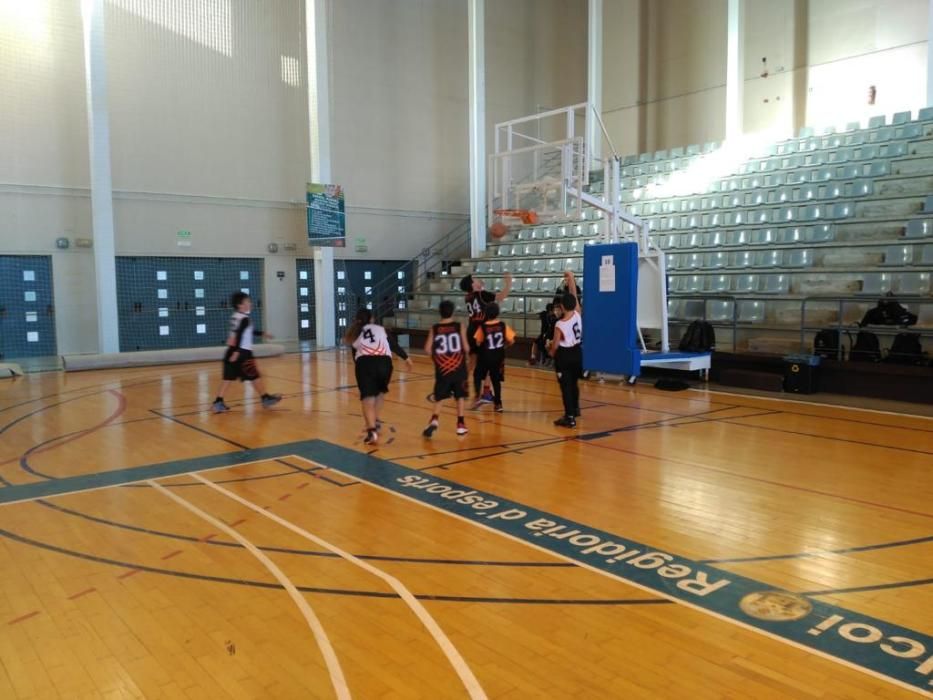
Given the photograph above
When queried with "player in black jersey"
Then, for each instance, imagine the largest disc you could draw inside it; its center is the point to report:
(492, 338)
(447, 344)
(477, 299)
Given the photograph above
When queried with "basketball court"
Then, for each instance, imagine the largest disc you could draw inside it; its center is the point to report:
(677, 545)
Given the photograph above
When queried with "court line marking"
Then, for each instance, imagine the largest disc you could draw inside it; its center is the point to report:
(753, 397)
(112, 480)
(698, 608)
(460, 666)
(337, 678)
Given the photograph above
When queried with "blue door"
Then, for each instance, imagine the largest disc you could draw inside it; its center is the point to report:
(27, 307)
(174, 302)
(304, 268)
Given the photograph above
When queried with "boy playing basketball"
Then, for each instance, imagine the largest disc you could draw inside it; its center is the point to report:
(568, 359)
(446, 344)
(492, 338)
(477, 298)
(238, 359)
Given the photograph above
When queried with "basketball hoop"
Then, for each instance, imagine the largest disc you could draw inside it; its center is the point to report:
(527, 216)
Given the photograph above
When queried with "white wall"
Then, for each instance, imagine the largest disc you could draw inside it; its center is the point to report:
(664, 66)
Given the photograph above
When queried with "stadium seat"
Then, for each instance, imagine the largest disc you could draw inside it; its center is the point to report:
(746, 284)
(914, 284)
(719, 310)
(775, 284)
(926, 256)
(898, 255)
(718, 284)
(751, 312)
(876, 284)
(798, 258)
(919, 228)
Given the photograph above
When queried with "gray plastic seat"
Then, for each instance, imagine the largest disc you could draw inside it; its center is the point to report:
(555, 265)
(898, 255)
(798, 258)
(876, 284)
(751, 312)
(693, 284)
(926, 255)
(919, 228)
(718, 284)
(693, 261)
(746, 284)
(521, 265)
(769, 258)
(913, 284)
(482, 267)
(900, 118)
(531, 284)
(764, 236)
(775, 284)
(820, 234)
(743, 258)
(539, 266)
(719, 310)
(716, 261)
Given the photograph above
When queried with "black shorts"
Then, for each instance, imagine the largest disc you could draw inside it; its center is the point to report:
(492, 364)
(569, 361)
(373, 375)
(244, 368)
(451, 385)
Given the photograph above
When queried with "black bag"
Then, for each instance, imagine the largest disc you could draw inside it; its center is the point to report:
(866, 348)
(888, 313)
(699, 337)
(906, 350)
(671, 384)
(826, 344)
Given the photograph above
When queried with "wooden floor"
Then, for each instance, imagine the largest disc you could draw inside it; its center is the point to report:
(318, 571)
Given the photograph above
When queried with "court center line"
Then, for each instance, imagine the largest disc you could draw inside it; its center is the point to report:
(460, 666)
(317, 629)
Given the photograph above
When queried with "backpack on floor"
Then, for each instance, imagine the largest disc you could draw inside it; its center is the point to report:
(866, 348)
(699, 337)
(906, 350)
(888, 313)
(826, 344)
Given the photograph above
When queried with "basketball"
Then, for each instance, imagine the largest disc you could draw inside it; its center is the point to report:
(498, 230)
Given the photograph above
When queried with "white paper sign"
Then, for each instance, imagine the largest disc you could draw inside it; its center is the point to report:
(607, 274)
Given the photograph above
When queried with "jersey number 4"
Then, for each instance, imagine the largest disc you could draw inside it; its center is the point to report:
(368, 335)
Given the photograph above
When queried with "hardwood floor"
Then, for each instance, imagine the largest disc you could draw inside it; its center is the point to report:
(122, 579)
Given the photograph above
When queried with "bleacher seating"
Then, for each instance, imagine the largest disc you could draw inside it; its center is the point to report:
(839, 215)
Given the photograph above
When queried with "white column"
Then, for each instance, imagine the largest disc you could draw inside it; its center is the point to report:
(594, 77)
(735, 84)
(324, 320)
(476, 17)
(930, 56)
(319, 119)
(98, 126)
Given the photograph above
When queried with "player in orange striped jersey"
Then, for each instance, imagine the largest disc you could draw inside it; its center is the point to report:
(447, 346)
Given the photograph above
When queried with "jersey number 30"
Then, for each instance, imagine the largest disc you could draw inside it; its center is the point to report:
(448, 344)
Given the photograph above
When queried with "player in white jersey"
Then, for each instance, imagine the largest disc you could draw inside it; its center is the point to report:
(372, 352)
(238, 359)
(568, 358)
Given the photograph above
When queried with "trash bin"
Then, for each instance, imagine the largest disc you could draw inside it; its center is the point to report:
(801, 374)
